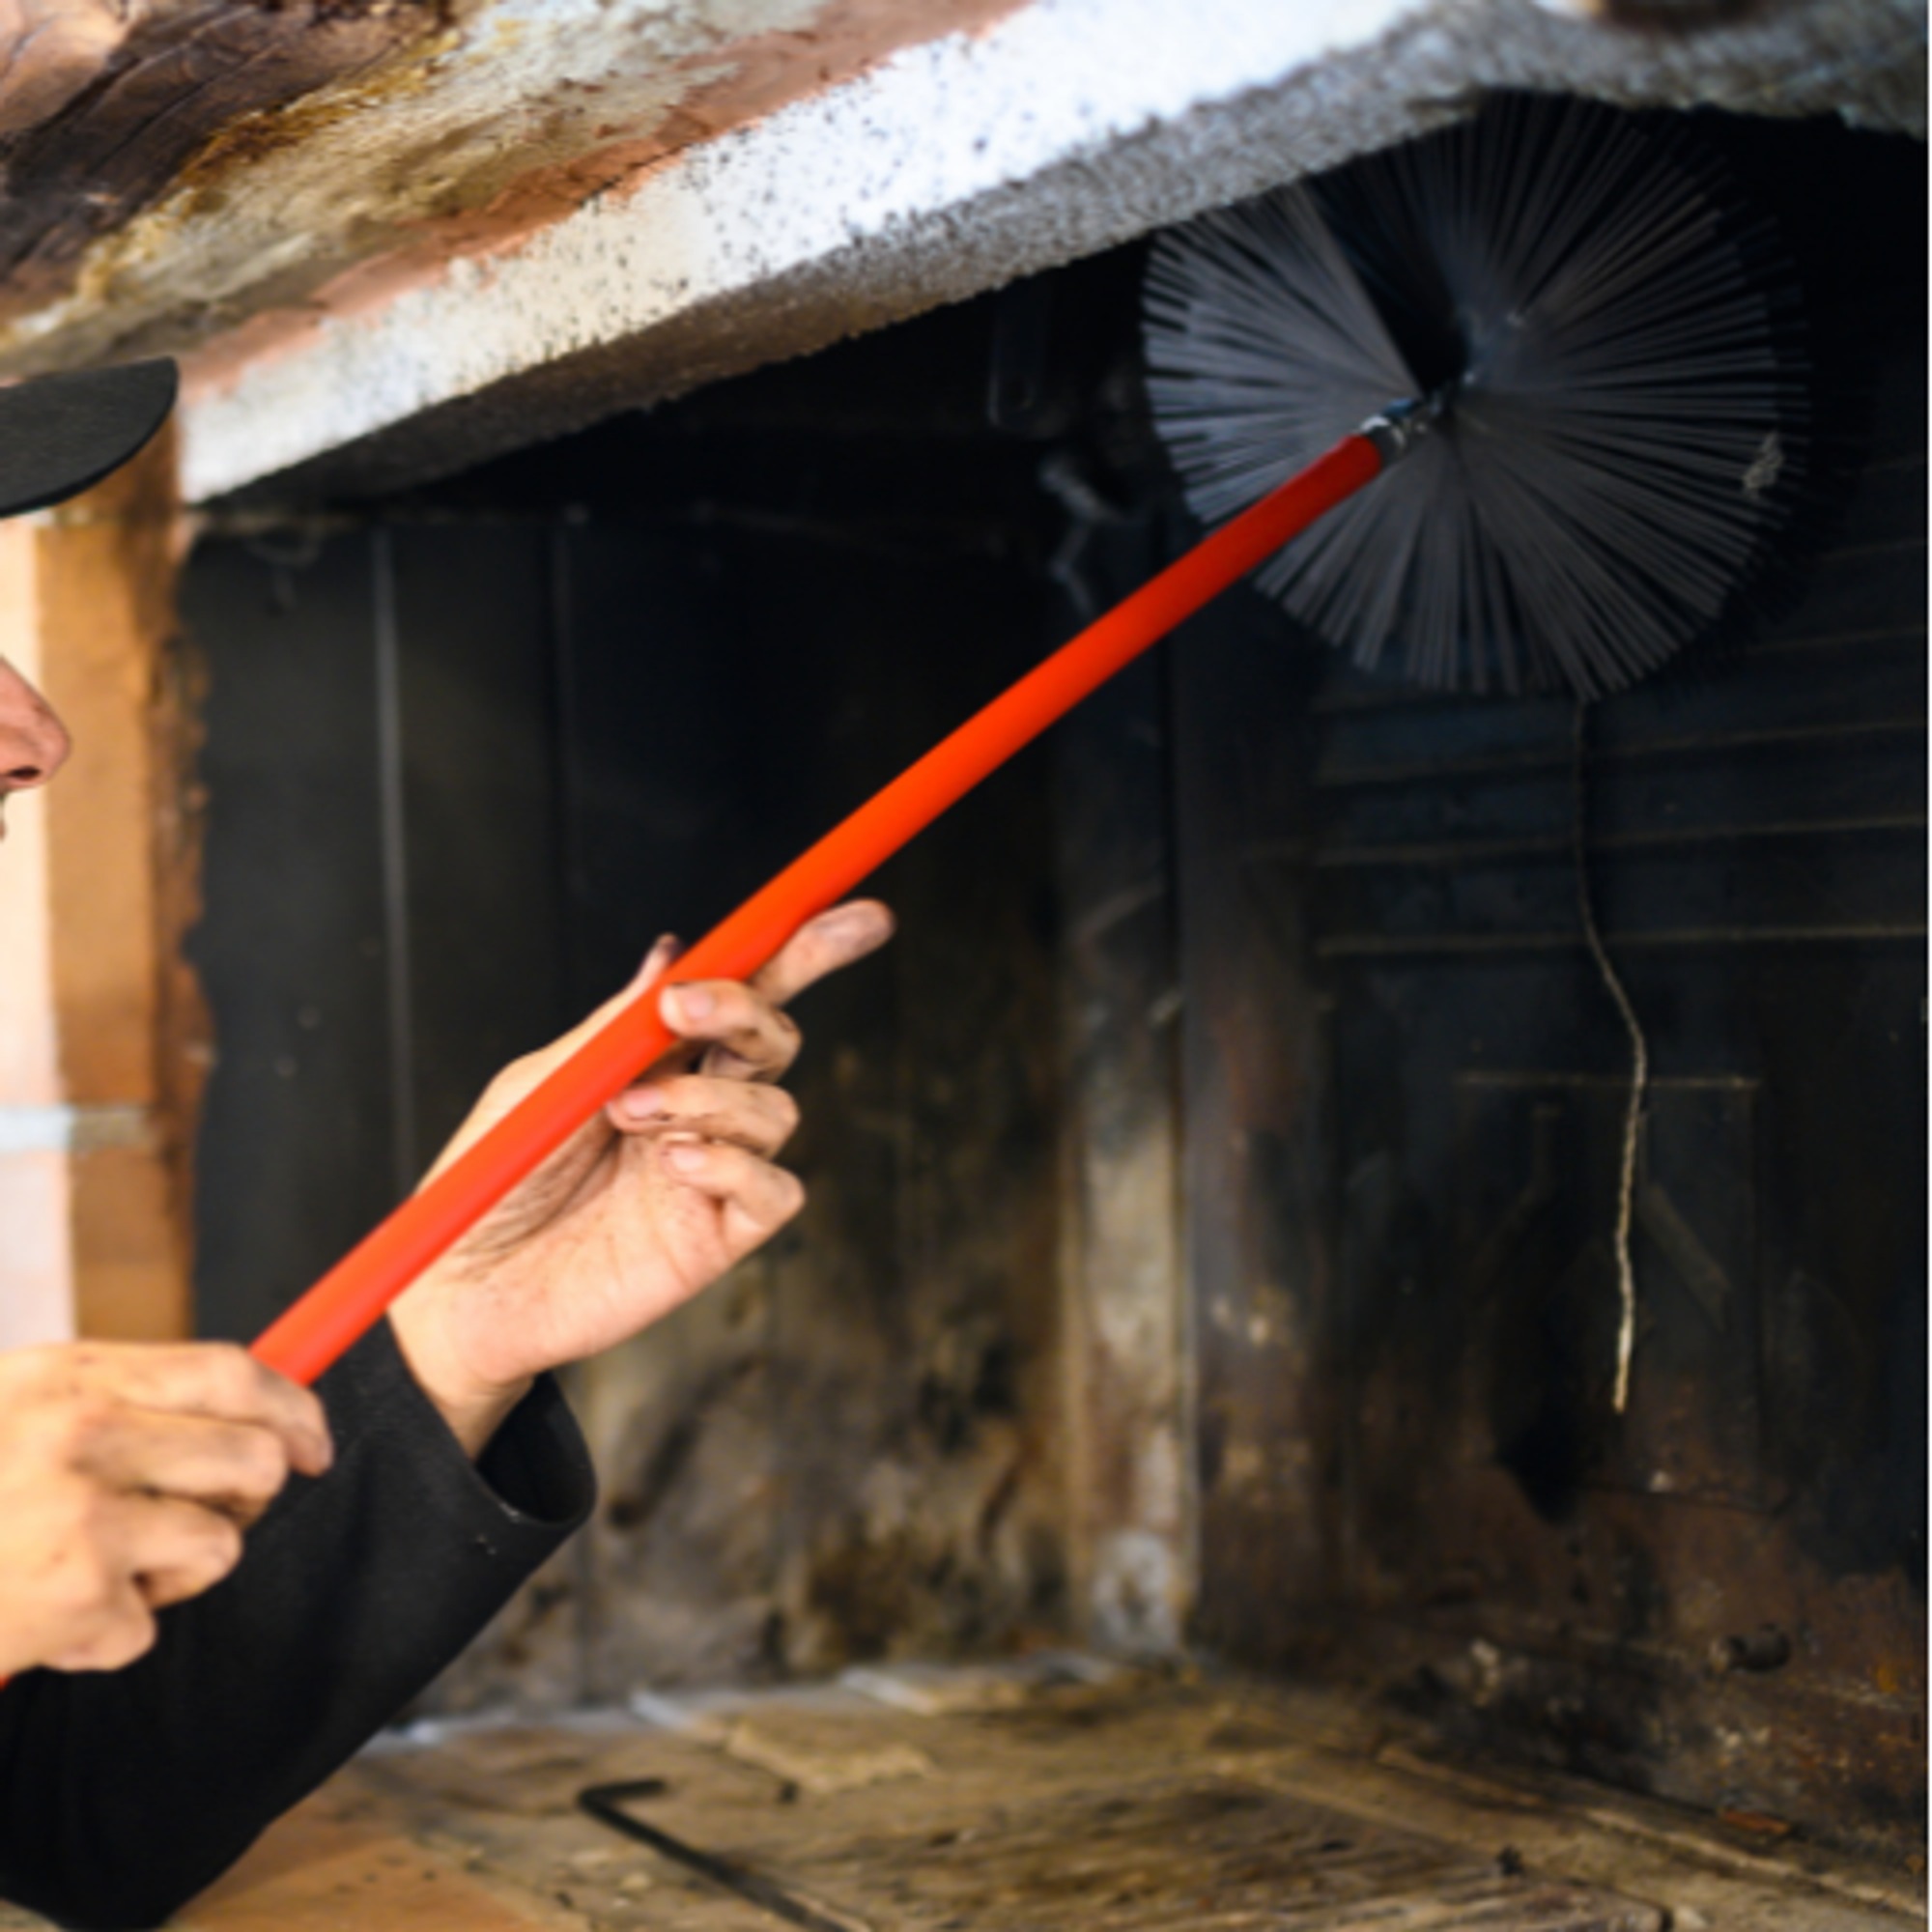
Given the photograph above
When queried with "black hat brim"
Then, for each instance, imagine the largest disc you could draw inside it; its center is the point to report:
(59, 435)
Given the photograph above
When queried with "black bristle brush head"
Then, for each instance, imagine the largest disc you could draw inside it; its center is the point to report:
(1618, 348)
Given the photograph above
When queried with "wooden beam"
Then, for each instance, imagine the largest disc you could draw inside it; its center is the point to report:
(107, 114)
(93, 1138)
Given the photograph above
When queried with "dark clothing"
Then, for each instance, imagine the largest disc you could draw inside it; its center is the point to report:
(125, 1793)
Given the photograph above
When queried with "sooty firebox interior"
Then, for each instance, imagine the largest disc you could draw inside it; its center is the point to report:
(1209, 1246)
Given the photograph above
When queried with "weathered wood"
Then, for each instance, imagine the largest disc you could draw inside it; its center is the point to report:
(103, 1240)
(102, 122)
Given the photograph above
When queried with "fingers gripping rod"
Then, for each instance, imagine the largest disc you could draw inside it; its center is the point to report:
(350, 1300)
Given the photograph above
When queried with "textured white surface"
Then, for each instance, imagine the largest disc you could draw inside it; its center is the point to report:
(952, 169)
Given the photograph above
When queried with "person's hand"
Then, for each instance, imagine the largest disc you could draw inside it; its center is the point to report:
(127, 1473)
(652, 1201)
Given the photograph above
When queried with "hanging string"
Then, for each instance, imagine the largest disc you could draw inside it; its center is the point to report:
(1639, 1079)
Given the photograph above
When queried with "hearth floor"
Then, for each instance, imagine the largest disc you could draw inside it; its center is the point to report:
(1054, 1794)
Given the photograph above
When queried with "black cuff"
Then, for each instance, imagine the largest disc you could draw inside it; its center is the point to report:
(533, 1483)
(122, 1793)
(536, 1461)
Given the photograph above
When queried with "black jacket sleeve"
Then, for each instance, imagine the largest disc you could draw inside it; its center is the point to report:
(125, 1793)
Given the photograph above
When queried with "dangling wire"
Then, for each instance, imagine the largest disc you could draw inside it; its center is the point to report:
(1640, 1081)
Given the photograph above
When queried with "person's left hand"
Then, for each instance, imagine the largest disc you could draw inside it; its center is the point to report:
(669, 1186)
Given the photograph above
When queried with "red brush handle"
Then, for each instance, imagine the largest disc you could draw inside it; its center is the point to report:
(349, 1300)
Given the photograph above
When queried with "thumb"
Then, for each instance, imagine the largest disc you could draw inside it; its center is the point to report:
(657, 963)
(522, 1076)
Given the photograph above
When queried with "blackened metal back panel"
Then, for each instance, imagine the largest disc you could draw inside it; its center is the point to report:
(380, 881)
(1406, 1085)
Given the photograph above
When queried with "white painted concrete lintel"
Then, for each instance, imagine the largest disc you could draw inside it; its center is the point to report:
(952, 169)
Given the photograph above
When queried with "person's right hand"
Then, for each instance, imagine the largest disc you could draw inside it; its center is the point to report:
(127, 1471)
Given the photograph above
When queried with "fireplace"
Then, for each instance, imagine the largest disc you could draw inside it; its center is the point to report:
(1209, 1261)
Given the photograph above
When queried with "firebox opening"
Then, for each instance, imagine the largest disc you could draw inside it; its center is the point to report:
(1207, 1253)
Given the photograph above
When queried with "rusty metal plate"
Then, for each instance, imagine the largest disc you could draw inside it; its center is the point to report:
(1193, 1851)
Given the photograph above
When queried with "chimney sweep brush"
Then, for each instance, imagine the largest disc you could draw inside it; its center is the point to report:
(1609, 348)
(1577, 366)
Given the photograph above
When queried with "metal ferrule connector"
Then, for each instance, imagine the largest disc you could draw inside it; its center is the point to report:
(1396, 430)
